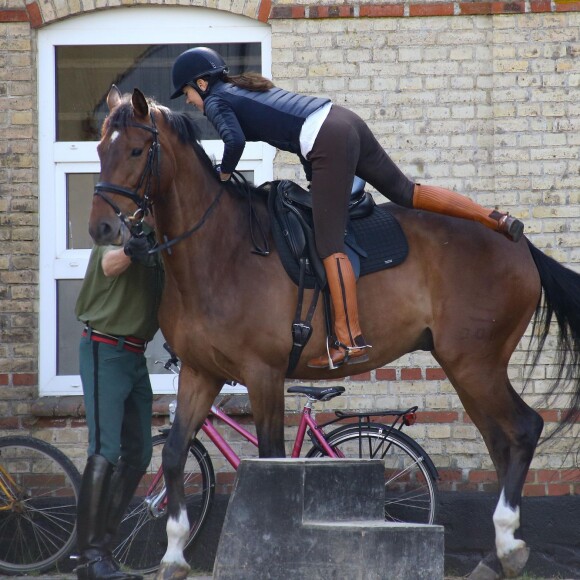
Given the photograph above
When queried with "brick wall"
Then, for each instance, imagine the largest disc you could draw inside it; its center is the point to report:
(480, 97)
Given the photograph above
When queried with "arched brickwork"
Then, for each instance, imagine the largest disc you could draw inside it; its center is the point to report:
(40, 13)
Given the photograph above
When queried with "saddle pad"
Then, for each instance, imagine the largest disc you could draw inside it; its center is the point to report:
(379, 234)
(383, 239)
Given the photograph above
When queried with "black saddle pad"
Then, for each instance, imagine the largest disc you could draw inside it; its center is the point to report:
(379, 234)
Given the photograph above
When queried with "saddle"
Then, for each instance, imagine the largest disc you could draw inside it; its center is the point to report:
(373, 241)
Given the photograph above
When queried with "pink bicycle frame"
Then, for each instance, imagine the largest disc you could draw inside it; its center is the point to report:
(233, 459)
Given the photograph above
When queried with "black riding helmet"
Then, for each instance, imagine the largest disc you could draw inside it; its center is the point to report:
(194, 64)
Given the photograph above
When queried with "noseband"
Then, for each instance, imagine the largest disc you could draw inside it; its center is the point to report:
(150, 171)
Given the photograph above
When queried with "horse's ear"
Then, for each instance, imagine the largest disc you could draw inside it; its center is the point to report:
(140, 103)
(114, 97)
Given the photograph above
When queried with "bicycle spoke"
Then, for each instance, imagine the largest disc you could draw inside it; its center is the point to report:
(409, 486)
(38, 528)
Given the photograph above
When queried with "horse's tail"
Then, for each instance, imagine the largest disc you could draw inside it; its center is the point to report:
(561, 299)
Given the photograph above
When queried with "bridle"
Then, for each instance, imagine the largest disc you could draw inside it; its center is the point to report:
(144, 204)
(150, 172)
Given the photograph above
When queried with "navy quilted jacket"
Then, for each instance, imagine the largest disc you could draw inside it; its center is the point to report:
(275, 117)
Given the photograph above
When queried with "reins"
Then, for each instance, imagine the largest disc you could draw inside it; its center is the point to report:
(168, 243)
(242, 183)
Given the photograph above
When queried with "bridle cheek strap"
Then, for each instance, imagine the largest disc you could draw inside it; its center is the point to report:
(151, 171)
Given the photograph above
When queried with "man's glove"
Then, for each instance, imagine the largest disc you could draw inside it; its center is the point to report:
(138, 249)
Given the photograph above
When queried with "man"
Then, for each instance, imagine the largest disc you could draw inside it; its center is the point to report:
(118, 304)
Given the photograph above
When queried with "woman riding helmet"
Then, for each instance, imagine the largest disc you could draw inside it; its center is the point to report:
(334, 144)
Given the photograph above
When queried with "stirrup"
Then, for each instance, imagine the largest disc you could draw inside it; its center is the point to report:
(353, 360)
(349, 350)
(331, 365)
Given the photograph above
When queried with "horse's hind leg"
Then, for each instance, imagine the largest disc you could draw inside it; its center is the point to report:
(196, 395)
(511, 430)
(512, 453)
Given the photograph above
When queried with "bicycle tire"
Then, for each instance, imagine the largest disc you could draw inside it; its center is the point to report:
(143, 529)
(410, 476)
(38, 524)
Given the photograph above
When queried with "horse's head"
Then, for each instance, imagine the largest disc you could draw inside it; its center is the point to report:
(129, 153)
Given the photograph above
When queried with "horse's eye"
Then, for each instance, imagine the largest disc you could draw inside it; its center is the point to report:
(136, 152)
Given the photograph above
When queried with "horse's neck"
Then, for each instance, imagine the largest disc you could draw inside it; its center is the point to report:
(210, 219)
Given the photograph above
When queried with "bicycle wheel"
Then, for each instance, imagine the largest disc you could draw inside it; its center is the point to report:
(143, 529)
(410, 477)
(39, 487)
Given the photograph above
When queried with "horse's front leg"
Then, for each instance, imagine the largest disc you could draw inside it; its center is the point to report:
(266, 391)
(195, 397)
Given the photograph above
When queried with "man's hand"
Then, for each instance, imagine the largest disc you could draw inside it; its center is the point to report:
(137, 249)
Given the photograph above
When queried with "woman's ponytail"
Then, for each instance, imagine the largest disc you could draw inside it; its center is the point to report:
(251, 81)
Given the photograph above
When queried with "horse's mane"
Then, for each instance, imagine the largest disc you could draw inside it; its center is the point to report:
(185, 129)
(181, 124)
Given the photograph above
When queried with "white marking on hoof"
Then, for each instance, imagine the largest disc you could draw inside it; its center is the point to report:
(177, 534)
(506, 521)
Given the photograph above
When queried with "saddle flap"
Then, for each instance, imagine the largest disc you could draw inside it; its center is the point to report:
(293, 233)
(299, 235)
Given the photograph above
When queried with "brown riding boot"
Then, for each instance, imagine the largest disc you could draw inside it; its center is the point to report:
(441, 200)
(350, 346)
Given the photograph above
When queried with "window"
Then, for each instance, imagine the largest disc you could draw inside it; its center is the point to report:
(78, 60)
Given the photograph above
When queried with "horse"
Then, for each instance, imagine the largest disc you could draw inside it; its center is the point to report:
(464, 293)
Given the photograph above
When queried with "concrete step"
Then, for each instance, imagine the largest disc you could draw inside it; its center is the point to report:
(319, 519)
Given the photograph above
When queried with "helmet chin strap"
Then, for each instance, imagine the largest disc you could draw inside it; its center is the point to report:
(198, 90)
(210, 80)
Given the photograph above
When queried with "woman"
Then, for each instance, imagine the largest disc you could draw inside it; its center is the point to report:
(334, 144)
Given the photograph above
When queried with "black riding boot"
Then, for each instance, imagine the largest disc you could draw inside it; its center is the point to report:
(124, 482)
(97, 562)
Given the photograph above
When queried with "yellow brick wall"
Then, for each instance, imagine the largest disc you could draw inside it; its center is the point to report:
(485, 104)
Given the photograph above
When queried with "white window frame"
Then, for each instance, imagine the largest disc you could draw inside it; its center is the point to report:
(135, 25)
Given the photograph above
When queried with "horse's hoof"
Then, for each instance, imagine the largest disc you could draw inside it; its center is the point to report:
(514, 562)
(172, 572)
(483, 572)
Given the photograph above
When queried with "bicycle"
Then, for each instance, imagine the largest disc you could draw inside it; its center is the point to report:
(410, 475)
(39, 488)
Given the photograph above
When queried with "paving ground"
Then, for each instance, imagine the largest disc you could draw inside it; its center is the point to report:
(204, 576)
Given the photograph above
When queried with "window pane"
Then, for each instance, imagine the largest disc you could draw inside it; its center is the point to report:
(69, 332)
(84, 75)
(79, 195)
(69, 328)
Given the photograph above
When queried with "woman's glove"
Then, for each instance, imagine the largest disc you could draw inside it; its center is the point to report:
(221, 175)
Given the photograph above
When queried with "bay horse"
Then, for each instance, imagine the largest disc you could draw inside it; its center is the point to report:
(464, 293)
